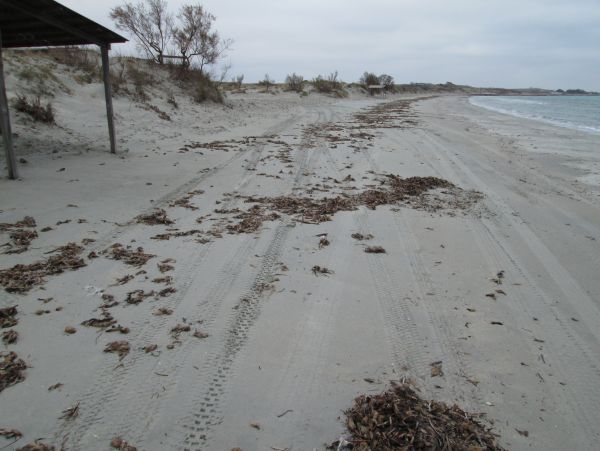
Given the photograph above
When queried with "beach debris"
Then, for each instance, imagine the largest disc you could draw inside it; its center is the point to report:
(10, 337)
(107, 320)
(27, 221)
(361, 237)
(10, 433)
(150, 348)
(178, 329)
(137, 296)
(375, 250)
(8, 317)
(251, 220)
(163, 311)
(21, 239)
(118, 328)
(323, 242)
(157, 217)
(522, 432)
(167, 280)
(255, 425)
(169, 235)
(200, 334)
(123, 280)
(491, 295)
(70, 330)
(165, 292)
(128, 256)
(436, 369)
(316, 270)
(55, 386)
(70, 413)
(497, 323)
(46, 229)
(121, 445)
(400, 419)
(37, 446)
(184, 202)
(22, 278)
(11, 369)
(121, 348)
(164, 266)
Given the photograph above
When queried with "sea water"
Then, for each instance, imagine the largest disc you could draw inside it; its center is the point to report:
(575, 112)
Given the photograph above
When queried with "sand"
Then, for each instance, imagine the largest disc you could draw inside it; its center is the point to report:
(280, 347)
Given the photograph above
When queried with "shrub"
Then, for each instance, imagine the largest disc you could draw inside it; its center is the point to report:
(206, 90)
(35, 109)
(387, 81)
(294, 82)
(329, 85)
(238, 81)
(267, 82)
(141, 79)
(369, 78)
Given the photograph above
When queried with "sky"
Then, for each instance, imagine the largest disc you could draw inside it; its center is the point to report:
(510, 43)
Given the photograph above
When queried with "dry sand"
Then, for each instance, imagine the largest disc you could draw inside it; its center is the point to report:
(287, 349)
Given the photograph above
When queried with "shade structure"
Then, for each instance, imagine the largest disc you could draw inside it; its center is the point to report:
(47, 23)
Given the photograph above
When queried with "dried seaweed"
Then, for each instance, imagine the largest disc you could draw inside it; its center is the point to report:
(70, 413)
(400, 419)
(10, 433)
(163, 311)
(316, 270)
(167, 236)
(37, 446)
(122, 280)
(8, 317)
(128, 256)
(121, 348)
(361, 237)
(22, 278)
(121, 445)
(165, 267)
(177, 330)
(167, 280)
(137, 296)
(11, 369)
(374, 250)
(10, 337)
(200, 334)
(101, 323)
(165, 292)
(27, 221)
(21, 239)
(157, 217)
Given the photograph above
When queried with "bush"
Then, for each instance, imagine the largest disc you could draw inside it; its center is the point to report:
(35, 109)
(369, 78)
(294, 82)
(267, 82)
(206, 90)
(141, 79)
(387, 81)
(330, 85)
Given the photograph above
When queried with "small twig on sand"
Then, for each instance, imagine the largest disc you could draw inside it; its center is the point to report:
(282, 414)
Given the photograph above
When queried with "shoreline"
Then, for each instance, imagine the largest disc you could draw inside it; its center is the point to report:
(281, 337)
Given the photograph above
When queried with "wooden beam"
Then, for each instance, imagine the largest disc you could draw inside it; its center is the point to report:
(108, 94)
(5, 123)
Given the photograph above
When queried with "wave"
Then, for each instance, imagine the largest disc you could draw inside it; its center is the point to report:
(566, 113)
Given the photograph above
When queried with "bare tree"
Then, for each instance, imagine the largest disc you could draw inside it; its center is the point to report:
(152, 25)
(194, 37)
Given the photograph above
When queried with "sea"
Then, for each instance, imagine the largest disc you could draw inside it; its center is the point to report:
(575, 112)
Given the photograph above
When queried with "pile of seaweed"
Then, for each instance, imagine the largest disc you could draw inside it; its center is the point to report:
(393, 190)
(400, 419)
(22, 278)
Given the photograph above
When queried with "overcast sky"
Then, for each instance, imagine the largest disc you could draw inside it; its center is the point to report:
(509, 43)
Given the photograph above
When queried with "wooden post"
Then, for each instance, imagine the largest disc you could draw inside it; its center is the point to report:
(107, 92)
(5, 123)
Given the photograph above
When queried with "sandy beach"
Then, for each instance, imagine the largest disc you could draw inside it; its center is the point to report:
(256, 329)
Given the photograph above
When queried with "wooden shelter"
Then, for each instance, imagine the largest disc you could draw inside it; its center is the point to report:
(47, 23)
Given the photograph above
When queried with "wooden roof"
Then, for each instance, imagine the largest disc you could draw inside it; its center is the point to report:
(41, 23)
